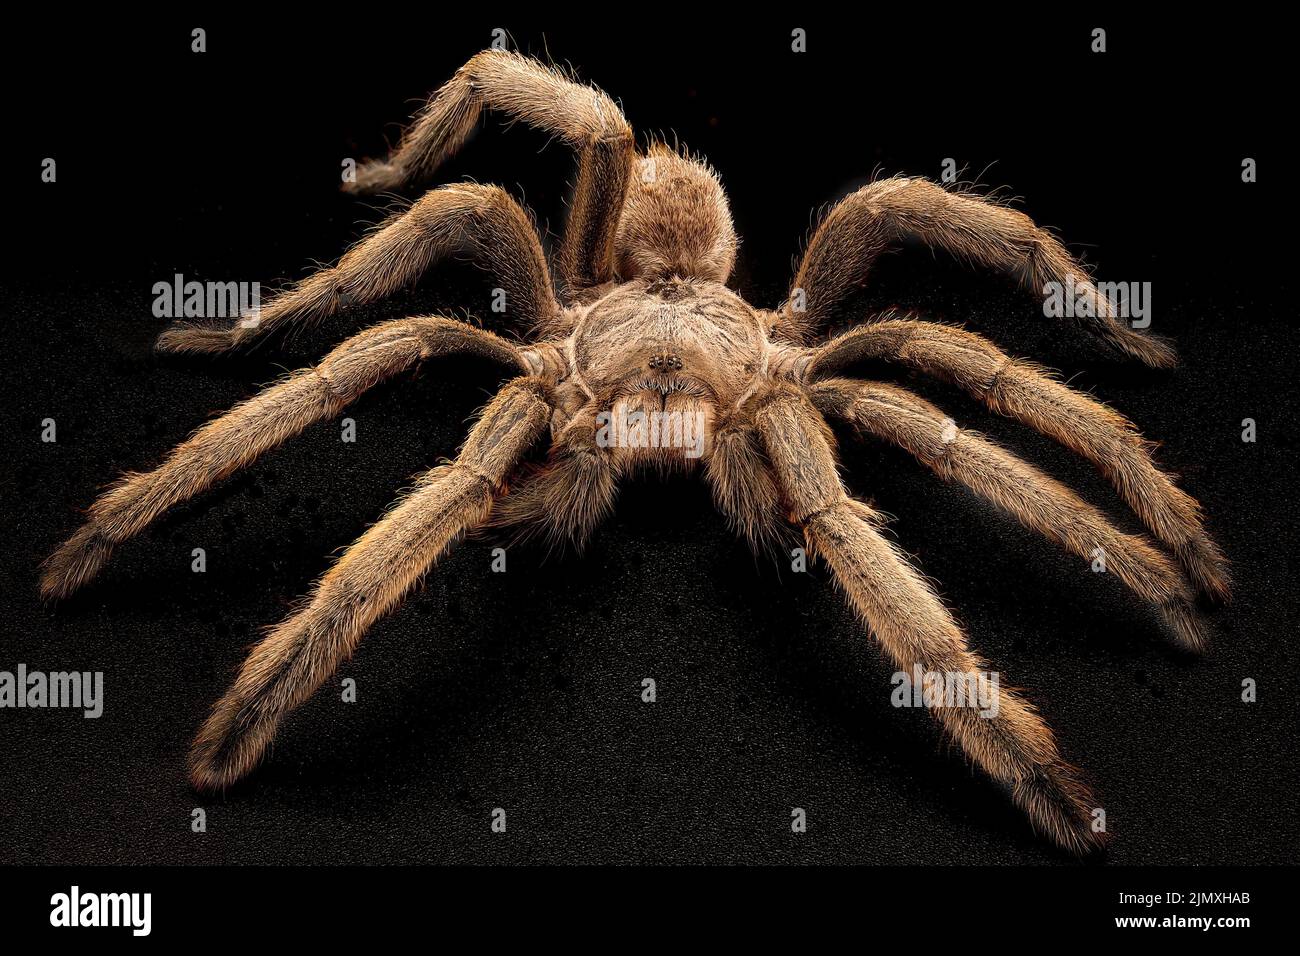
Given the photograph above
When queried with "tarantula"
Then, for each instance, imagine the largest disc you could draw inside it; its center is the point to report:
(644, 329)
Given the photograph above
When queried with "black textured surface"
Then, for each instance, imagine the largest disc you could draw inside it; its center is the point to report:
(521, 690)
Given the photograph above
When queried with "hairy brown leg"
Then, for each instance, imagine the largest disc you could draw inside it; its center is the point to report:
(252, 428)
(369, 580)
(913, 627)
(524, 89)
(894, 211)
(1037, 501)
(1025, 392)
(482, 221)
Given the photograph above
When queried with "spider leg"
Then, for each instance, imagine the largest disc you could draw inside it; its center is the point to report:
(261, 423)
(1037, 501)
(368, 581)
(890, 212)
(524, 89)
(1025, 392)
(483, 221)
(1014, 747)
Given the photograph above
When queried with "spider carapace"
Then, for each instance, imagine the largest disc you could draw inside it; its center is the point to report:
(639, 355)
(660, 354)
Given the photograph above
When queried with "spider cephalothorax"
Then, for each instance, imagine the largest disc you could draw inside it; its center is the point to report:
(645, 358)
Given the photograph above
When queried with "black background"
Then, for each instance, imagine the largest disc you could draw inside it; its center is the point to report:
(521, 690)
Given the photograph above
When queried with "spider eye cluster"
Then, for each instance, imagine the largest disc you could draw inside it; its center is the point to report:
(671, 290)
(665, 363)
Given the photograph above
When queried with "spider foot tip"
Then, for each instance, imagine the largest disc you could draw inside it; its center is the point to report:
(209, 770)
(205, 778)
(1061, 808)
(75, 562)
(374, 177)
(195, 339)
(1150, 350)
(1186, 625)
(228, 745)
(1209, 570)
(54, 587)
(1076, 835)
(1085, 842)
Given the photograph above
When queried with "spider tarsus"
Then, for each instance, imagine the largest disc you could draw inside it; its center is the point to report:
(1185, 625)
(375, 176)
(207, 775)
(225, 749)
(1208, 567)
(207, 778)
(1151, 350)
(75, 562)
(196, 339)
(1061, 807)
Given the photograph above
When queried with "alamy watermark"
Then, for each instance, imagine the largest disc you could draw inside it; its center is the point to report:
(657, 429)
(1079, 298)
(76, 690)
(933, 689)
(75, 908)
(179, 299)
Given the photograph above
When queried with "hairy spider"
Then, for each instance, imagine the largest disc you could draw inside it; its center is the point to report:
(646, 343)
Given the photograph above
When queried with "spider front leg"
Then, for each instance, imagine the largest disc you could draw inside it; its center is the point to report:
(1024, 392)
(483, 221)
(524, 89)
(913, 627)
(898, 210)
(371, 578)
(250, 429)
(1037, 501)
